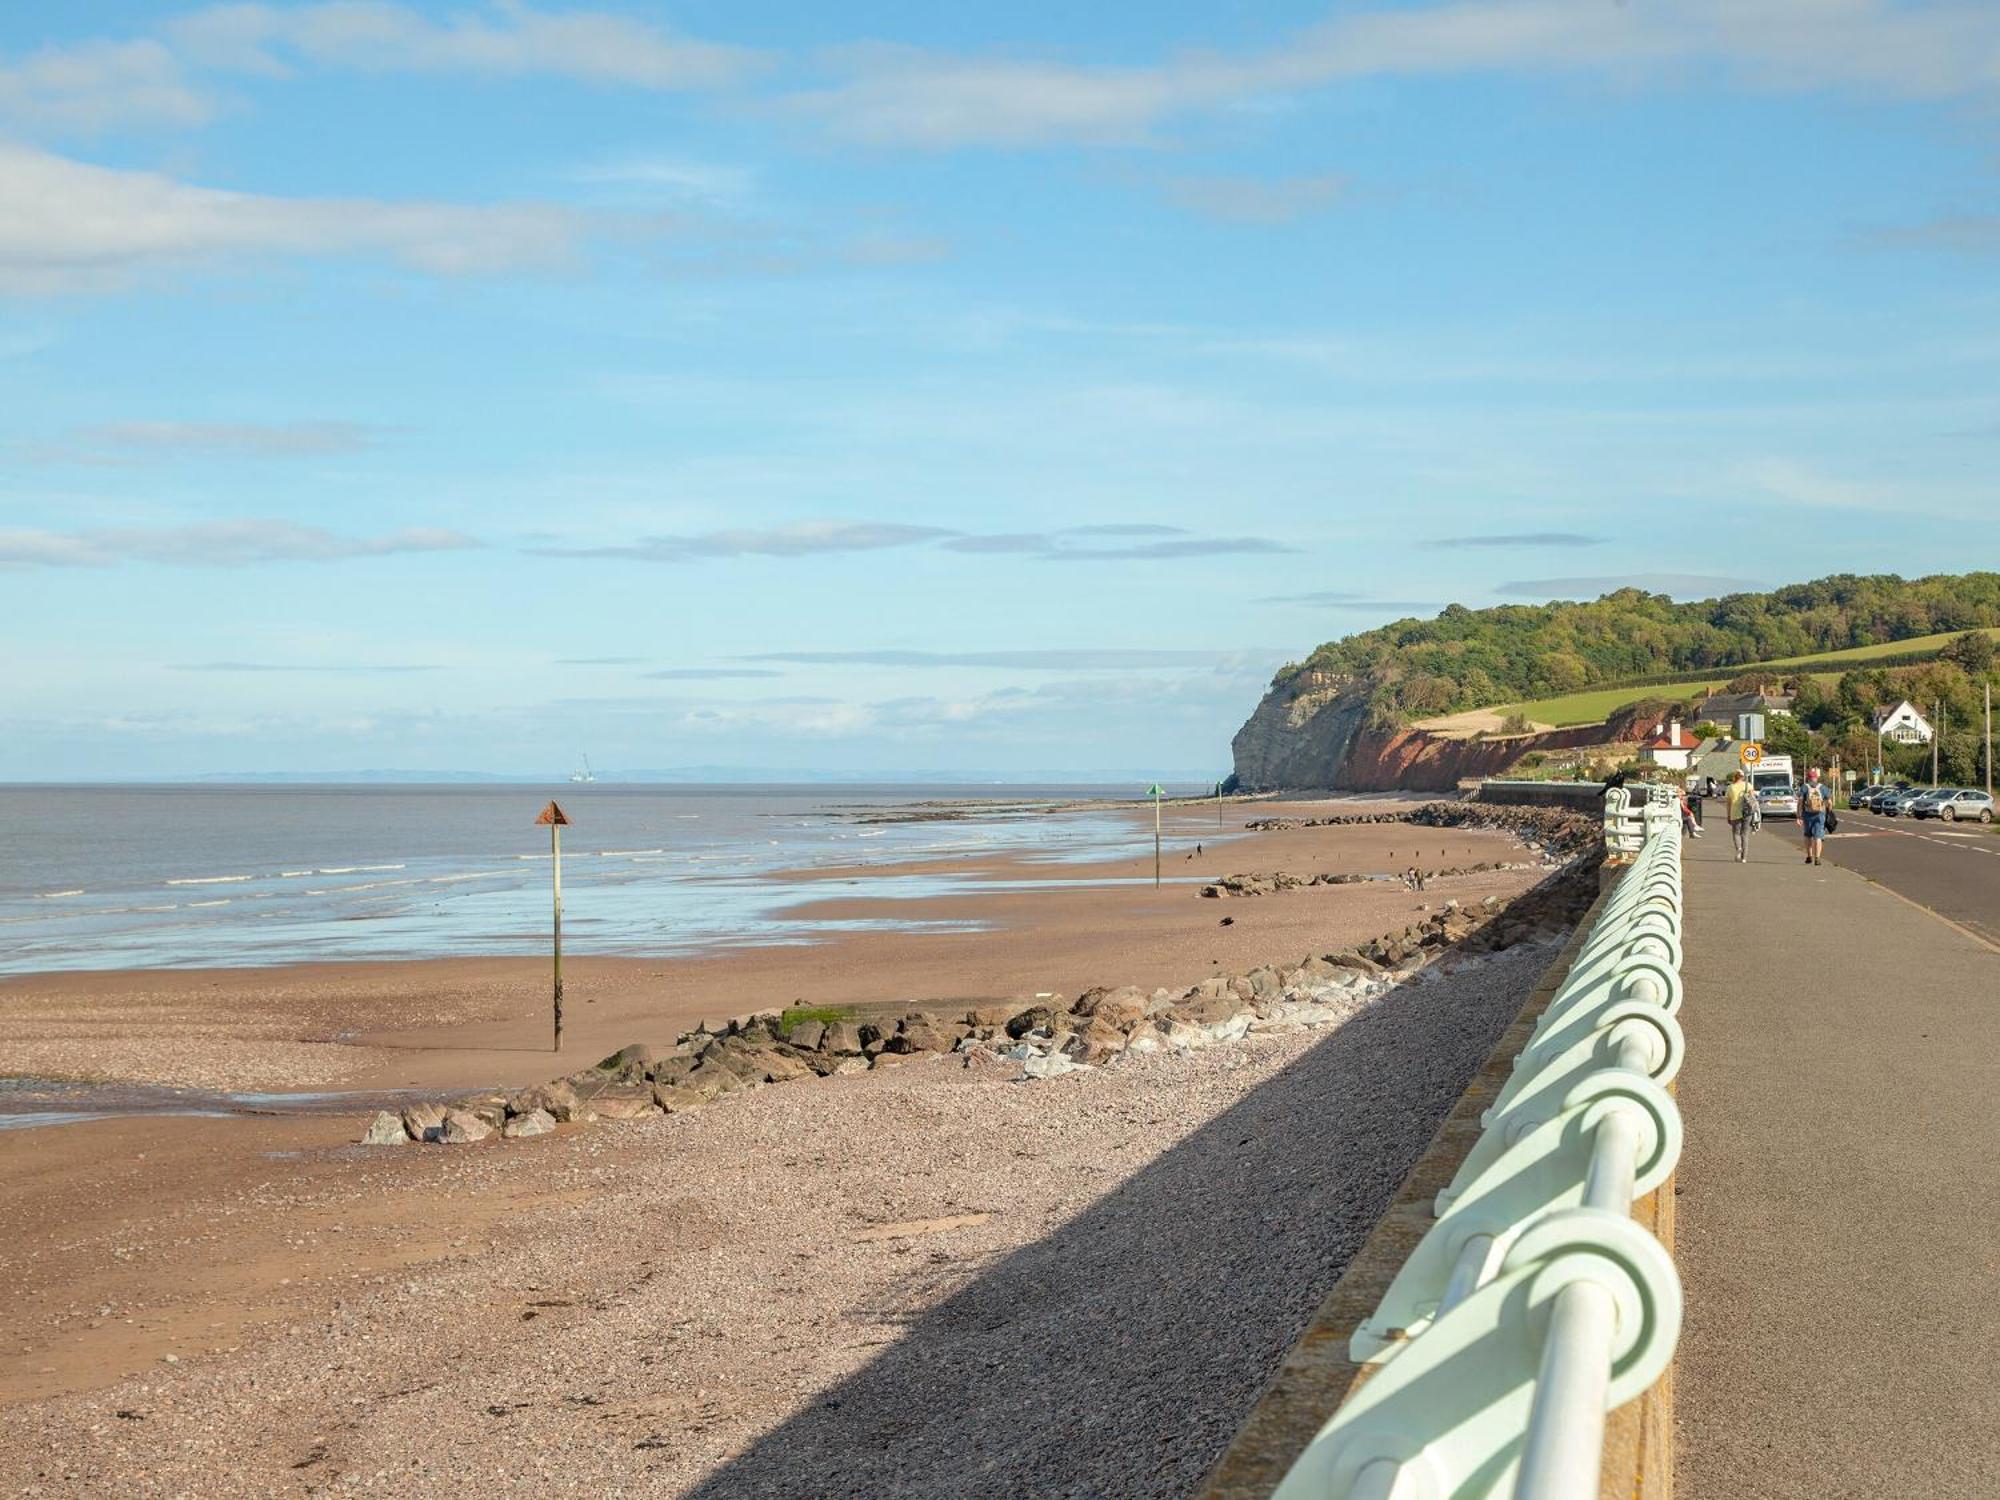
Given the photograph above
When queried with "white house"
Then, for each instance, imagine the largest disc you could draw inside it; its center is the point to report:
(1671, 748)
(1903, 724)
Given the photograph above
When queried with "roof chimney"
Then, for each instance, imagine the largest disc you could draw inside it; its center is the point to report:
(1676, 736)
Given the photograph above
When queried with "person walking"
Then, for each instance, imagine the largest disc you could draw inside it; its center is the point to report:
(1695, 798)
(1741, 810)
(1813, 807)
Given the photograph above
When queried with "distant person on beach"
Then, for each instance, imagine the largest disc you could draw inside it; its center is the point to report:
(1742, 812)
(1813, 807)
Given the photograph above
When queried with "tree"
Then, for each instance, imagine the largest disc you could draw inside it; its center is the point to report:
(1973, 652)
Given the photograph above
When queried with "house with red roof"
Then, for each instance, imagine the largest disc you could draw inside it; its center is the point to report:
(1671, 748)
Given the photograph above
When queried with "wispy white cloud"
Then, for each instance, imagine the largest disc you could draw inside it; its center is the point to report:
(215, 544)
(131, 440)
(508, 39)
(799, 539)
(288, 668)
(1490, 540)
(1793, 483)
(70, 225)
(911, 97)
(96, 85)
(673, 177)
(1255, 200)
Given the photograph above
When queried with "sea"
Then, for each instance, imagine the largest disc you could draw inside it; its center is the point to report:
(222, 876)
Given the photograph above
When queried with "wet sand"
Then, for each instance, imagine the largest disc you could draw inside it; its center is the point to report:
(198, 1238)
(465, 1023)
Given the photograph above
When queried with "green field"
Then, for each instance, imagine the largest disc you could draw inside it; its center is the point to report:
(1593, 705)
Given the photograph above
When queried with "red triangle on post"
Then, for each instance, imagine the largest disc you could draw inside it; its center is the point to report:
(552, 815)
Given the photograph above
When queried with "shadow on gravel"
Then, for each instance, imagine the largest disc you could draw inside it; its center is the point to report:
(1116, 1357)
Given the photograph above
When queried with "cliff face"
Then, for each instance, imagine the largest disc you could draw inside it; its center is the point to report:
(1309, 734)
(1299, 734)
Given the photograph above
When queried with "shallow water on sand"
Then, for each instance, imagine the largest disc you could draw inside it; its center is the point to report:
(226, 876)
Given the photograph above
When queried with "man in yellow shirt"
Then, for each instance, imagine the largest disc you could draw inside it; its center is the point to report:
(1742, 814)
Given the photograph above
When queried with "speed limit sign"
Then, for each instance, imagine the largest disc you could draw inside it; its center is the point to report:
(1751, 753)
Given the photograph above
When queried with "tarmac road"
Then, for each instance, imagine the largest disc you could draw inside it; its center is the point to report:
(1952, 869)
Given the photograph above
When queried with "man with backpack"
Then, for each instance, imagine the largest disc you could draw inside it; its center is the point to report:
(1813, 808)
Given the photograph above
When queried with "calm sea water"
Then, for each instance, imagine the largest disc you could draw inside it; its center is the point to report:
(200, 876)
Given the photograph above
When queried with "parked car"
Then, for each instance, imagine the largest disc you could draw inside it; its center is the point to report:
(1778, 801)
(1900, 805)
(1879, 802)
(1859, 798)
(1952, 803)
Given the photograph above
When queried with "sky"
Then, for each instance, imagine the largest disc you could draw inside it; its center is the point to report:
(893, 387)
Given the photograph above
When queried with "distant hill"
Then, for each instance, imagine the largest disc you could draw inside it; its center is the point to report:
(1342, 715)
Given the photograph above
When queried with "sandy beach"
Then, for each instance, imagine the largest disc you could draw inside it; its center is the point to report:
(257, 1306)
(465, 1023)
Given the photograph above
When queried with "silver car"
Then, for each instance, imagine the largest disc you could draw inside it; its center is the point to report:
(1951, 804)
(1779, 801)
(1903, 803)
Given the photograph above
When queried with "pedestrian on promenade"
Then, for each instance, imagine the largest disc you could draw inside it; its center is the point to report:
(1688, 824)
(1694, 799)
(1741, 809)
(1813, 806)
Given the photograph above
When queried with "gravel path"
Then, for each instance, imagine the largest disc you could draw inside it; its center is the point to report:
(911, 1283)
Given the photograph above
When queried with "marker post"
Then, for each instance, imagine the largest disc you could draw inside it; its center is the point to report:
(554, 819)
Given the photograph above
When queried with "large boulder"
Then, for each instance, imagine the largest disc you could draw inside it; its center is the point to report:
(624, 1106)
(713, 1080)
(535, 1122)
(922, 1033)
(630, 1062)
(1101, 1039)
(1124, 1006)
(842, 1039)
(558, 1100)
(490, 1108)
(1034, 1018)
(462, 1129)
(807, 1035)
(385, 1130)
(424, 1122)
(676, 1100)
(996, 1014)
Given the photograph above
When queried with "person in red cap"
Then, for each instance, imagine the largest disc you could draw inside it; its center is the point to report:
(1813, 805)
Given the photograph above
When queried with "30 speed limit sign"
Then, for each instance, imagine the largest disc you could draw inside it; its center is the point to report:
(1751, 754)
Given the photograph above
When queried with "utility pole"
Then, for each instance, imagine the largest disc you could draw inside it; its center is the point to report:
(1986, 742)
(1937, 738)
(552, 817)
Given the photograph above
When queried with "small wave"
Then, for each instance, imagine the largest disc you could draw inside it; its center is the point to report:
(295, 874)
(355, 869)
(58, 895)
(212, 880)
(193, 904)
(626, 853)
(446, 879)
(532, 856)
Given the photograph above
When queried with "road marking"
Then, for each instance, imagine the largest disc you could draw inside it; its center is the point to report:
(1958, 927)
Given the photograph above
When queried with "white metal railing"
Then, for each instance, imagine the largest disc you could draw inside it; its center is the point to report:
(1535, 1304)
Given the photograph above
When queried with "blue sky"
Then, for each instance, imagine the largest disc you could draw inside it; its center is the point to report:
(882, 386)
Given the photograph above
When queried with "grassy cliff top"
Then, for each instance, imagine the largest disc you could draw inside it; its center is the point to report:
(1558, 662)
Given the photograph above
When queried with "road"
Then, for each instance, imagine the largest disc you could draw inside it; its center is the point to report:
(1952, 869)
